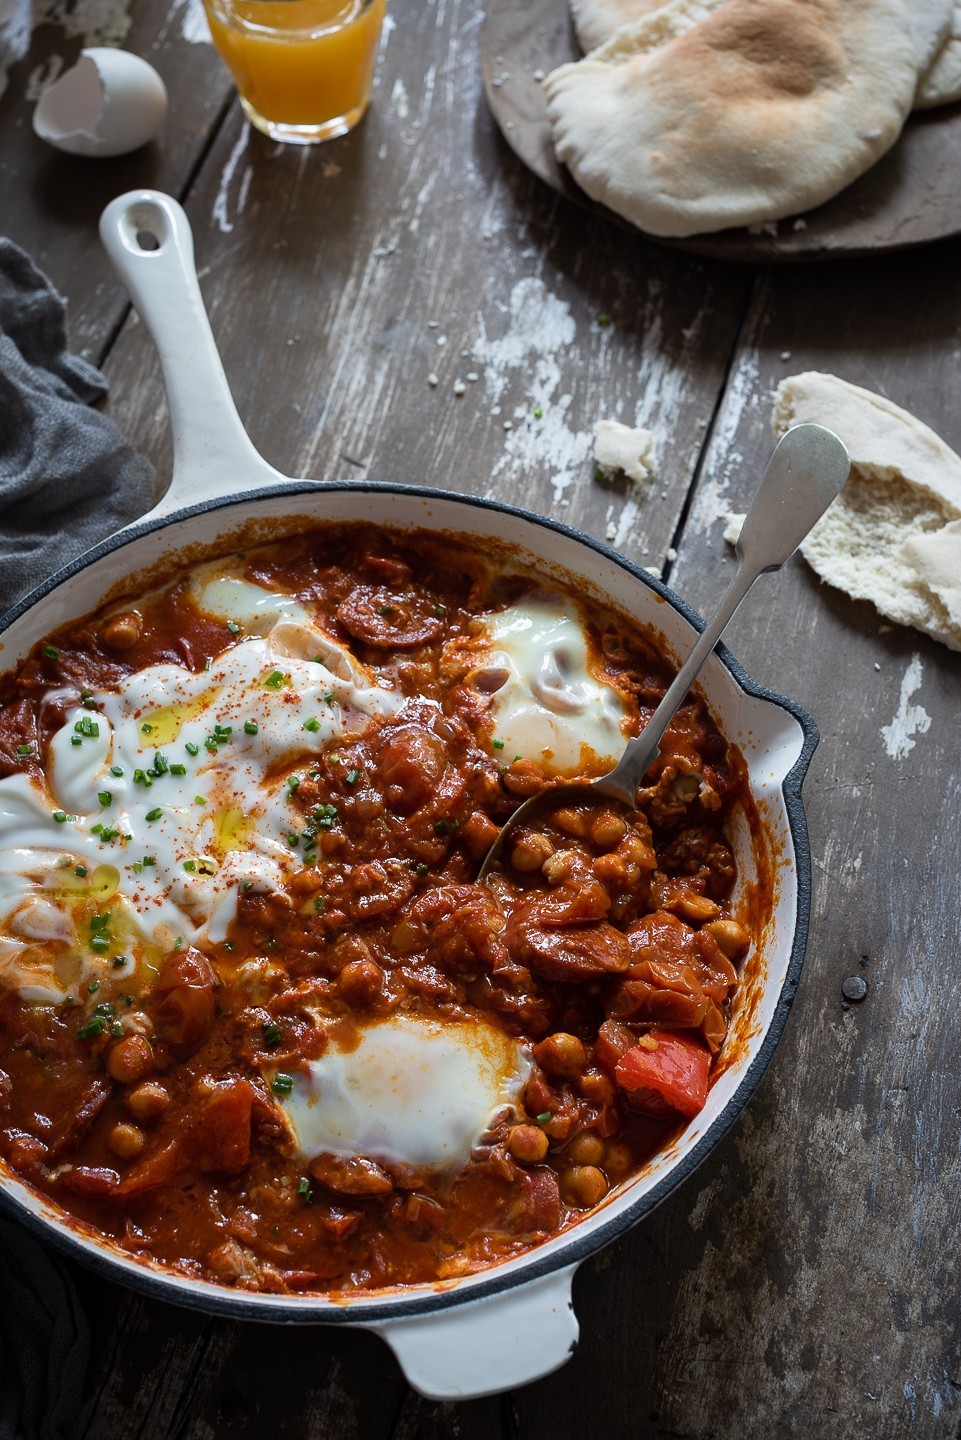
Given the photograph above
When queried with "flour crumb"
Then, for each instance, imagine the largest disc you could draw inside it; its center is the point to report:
(732, 526)
(432, 379)
(459, 387)
(618, 447)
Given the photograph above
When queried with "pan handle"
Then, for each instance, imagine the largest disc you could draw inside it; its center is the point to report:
(148, 238)
(486, 1346)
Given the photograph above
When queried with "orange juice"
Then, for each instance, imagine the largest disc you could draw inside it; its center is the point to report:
(303, 68)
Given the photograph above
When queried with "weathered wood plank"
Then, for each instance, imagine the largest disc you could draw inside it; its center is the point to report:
(162, 1373)
(812, 1294)
(340, 280)
(50, 203)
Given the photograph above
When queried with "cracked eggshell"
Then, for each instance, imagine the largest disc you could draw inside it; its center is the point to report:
(109, 103)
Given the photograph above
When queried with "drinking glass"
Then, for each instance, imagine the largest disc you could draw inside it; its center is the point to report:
(304, 68)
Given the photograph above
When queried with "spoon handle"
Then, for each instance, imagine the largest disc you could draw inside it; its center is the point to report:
(805, 473)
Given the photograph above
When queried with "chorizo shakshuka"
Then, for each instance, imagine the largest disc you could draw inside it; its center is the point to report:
(258, 1020)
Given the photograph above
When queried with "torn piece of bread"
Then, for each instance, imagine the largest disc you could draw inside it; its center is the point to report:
(930, 26)
(893, 536)
(758, 110)
(596, 20)
(941, 82)
(618, 447)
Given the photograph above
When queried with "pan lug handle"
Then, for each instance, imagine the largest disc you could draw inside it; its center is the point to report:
(148, 239)
(482, 1347)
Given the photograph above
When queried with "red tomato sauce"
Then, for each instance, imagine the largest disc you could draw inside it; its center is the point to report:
(605, 931)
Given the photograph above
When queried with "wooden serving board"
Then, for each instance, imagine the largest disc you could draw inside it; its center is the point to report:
(912, 196)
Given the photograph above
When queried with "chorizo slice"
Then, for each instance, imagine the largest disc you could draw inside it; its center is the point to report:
(182, 1005)
(380, 617)
(575, 953)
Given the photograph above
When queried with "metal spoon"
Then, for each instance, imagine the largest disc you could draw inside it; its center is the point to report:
(806, 472)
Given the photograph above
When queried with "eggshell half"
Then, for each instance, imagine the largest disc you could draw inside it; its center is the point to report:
(109, 103)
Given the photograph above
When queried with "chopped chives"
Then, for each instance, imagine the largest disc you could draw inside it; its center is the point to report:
(93, 987)
(543, 1117)
(352, 777)
(96, 1026)
(178, 769)
(116, 770)
(154, 814)
(51, 652)
(282, 1084)
(59, 816)
(24, 750)
(105, 798)
(75, 740)
(191, 748)
(313, 724)
(146, 729)
(303, 1188)
(199, 800)
(251, 727)
(233, 627)
(81, 870)
(498, 744)
(190, 865)
(293, 782)
(272, 1033)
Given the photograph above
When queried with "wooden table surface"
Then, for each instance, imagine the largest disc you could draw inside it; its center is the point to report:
(805, 1281)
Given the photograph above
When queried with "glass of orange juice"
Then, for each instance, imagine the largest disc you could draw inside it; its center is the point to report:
(304, 68)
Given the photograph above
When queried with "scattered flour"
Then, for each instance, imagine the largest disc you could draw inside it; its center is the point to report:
(540, 327)
(221, 210)
(910, 719)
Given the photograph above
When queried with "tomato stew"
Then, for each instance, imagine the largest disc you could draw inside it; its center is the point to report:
(241, 819)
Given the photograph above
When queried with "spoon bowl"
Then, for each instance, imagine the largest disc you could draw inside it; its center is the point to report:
(805, 473)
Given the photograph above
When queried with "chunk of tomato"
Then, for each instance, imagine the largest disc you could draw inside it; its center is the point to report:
(670, 1078)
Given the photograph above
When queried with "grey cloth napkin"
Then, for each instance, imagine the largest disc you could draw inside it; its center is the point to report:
(67, 478)
(67, 475)
(44, 1342)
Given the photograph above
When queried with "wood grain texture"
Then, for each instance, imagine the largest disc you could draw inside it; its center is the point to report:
(804, 1283)
(50, 203)
(340, 280)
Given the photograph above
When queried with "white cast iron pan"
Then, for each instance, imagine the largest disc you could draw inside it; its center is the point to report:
(487, 1332)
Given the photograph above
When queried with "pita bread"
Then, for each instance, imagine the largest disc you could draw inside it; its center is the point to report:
(762, 109)
(893, 536)
(596, 20)
(930, 25)
(941, 83)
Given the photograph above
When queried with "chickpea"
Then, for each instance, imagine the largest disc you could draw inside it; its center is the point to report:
(527, 1143)
(587, 1148)
(530, 852)
(148, 1100)
(732, 939)
(610, 870)
(122, 631)
(618, 1159)
(695, 908)
(584, 1186)
(559, 866)
(361, 982)
(573, 822)
(478, 834)
(523, 777)
(597, 1086)
(131, 1059)
(127, 1141)
(608, 830)
(560, 1054)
